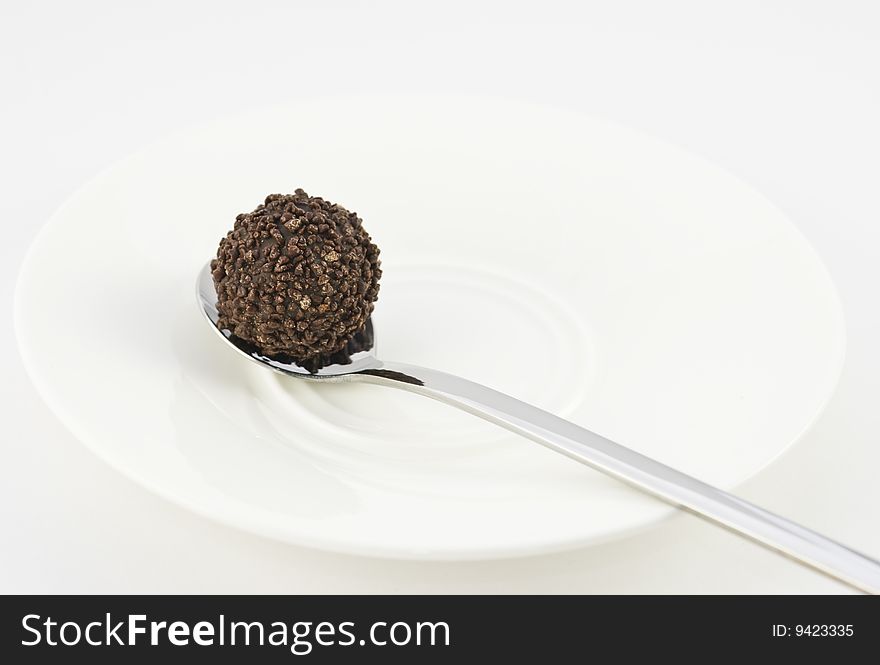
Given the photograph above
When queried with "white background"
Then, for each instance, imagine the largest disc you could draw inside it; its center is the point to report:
(784, 94)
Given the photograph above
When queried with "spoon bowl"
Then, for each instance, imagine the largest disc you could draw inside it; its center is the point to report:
(337, 367)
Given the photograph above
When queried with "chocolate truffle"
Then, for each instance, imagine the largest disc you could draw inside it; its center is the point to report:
(297, 277)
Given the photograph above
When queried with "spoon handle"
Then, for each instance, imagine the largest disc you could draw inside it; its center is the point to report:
(636, 469)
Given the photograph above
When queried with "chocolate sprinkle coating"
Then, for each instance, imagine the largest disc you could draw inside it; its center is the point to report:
(297, 277)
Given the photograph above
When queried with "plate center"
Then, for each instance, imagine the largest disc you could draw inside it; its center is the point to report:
(480, 324)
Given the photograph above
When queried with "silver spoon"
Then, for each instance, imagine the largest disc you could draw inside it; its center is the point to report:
(580, 444)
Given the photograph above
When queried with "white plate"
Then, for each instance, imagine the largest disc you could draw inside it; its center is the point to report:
(603, 275)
